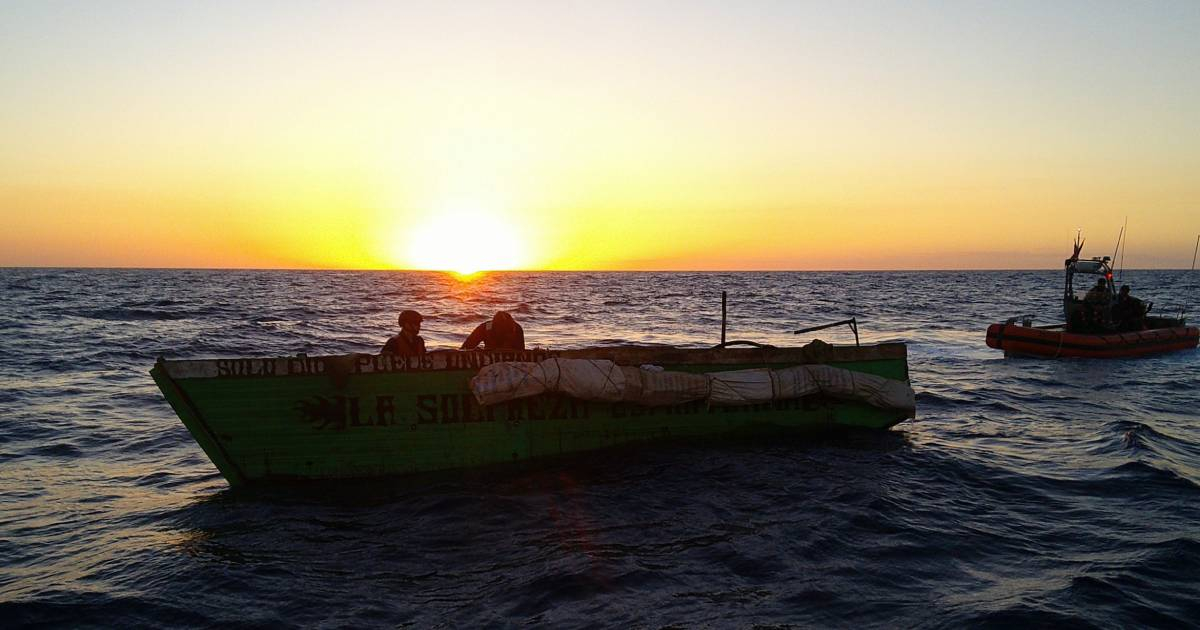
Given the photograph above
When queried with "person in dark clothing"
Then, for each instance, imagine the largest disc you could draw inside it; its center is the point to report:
(501, 333)
(1097, 294)
(1129, 312)
(408, 341)
(1097, 308)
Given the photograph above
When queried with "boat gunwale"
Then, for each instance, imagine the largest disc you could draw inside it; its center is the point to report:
(451, 360)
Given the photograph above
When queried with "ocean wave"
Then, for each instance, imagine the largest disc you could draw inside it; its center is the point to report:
(1143, 473)
(130, 314)
(457, 317)
(57, 450)
(1083, 475)
(1136, 434)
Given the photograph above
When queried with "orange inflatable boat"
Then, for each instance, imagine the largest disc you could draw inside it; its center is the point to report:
(1101, 323)
(1042, 342)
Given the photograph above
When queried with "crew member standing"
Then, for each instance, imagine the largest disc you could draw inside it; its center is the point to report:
(409, 340)
(502, 332)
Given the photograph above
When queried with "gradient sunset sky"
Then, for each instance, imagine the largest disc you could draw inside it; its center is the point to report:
(597, 135)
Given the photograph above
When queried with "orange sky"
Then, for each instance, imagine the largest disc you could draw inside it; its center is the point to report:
(622, 136)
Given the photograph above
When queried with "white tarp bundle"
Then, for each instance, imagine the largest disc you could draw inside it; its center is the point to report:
(740, 387)
(802, 380)
(590, 379)
(657, 388)
(586, 379)
(796, 382)
(604, 381)
(499, 382)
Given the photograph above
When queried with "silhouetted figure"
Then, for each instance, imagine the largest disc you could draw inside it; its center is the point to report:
(1097, 294)
(408, 341)
(502, 332)
(1095, 309)
(1129, 312)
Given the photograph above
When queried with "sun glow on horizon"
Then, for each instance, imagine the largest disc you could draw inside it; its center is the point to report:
(464, 242)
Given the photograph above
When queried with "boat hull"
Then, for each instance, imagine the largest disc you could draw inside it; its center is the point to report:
(351, 416)
(1040, 342)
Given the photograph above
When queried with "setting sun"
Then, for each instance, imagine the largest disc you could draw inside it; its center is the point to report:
(464, 242)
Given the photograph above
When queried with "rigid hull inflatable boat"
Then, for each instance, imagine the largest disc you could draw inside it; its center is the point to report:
(1099, 324)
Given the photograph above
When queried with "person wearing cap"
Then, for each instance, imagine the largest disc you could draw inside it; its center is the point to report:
(502, 332)
(408, 341)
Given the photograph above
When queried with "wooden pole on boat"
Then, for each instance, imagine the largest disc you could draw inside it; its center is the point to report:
(722, 319)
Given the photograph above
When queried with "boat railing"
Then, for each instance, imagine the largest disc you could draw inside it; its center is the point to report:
(1027, 322)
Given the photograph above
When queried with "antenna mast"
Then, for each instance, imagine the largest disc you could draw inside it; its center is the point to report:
(1123, 243)
(1194, 250)
(1116, 247)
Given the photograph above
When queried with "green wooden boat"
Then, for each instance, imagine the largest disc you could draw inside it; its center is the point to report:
(263, 420)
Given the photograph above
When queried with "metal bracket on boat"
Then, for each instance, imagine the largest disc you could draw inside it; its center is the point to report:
(852, 322)
(1026, 320)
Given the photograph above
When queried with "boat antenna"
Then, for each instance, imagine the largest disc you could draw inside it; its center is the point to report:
(1123, 241)
(1078, 245)
(1194, 250)
(1118, 245)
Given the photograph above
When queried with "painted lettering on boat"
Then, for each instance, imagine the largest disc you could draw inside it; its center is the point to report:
(302, 365)
(245, 367)
(463, 408)
(371, 363)
(338, 413)
(436, 361)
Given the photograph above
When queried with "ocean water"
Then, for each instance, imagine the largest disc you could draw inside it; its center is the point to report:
(1026, 492)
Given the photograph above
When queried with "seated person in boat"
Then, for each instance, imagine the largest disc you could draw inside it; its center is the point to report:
(1097, 294)
(408, 341)
(1129, 312)
(502, 332)
(1093, 315)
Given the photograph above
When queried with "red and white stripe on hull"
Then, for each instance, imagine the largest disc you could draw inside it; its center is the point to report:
(1024, 340)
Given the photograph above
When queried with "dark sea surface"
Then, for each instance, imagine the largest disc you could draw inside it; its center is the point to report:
(1026, 492)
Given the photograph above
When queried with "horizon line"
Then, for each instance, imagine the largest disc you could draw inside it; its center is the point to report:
(483, 271)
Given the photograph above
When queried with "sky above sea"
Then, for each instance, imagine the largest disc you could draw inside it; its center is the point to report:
(617, 135)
